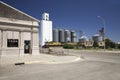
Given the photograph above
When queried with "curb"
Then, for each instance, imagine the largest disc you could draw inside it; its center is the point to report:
(46, 62)
(34, 62)
(52, 62)
(20, 63)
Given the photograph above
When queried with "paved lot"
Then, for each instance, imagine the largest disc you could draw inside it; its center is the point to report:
(41, 59)
(95, 66)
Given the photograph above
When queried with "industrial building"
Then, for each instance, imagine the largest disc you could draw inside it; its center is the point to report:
(99, 39)
(18, 32)
(46, 33)
(84, 41)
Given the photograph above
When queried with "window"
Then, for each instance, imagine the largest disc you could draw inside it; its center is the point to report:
(12, 42)
(46, 17)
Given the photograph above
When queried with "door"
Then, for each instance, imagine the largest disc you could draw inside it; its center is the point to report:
(27, 47)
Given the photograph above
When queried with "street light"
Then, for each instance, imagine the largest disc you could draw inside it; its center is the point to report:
(104, 25)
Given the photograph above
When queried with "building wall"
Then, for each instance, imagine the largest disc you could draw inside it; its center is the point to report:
(18, 31)
(35, 43)
(11, 30)
(88, 44)
(101, 43)
(0, 39)
(17, 21)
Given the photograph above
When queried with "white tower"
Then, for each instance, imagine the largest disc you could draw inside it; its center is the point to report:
(45, 16)
(45, 29)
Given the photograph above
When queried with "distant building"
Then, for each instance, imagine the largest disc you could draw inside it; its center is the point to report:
(97, 37)
(87, 43)
(46, 33)
(18, 32)
(84, 41)
(101, 43)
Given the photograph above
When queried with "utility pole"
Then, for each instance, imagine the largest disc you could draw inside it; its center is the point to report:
(104, 25)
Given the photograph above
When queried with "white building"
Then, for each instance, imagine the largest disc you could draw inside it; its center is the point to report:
(46, 33)
(18, 32)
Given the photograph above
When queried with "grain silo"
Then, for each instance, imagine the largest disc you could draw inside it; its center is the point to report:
(67, 36)
(73, 36)
(55, 35)
(45, 29)
(61, 35)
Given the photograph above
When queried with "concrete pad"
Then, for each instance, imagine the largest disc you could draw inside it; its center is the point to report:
(41, 59)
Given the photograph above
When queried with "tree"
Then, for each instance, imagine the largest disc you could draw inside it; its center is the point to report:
(118, 46)
(95, 44)
(68, 46)
(112, 45)
(109, 44)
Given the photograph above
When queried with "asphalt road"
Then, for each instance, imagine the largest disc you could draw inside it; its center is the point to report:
(94, 66)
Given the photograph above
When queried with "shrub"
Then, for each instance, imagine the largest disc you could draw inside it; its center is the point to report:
(118, 46)
(68, 46)
(95, 44)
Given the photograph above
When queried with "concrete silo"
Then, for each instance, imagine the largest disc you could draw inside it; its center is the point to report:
(67, 36)
(46, 34)
(56, 35)
(61, 35)
(73, 36)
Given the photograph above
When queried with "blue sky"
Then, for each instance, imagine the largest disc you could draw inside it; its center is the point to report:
(76, 14)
